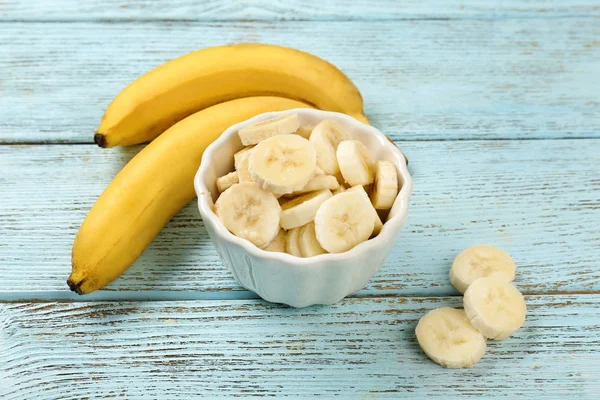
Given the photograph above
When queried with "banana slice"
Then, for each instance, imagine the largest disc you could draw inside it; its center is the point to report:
(319, 182)
(481, 261)
(278, 244)
(258, 132)
(378, 223)
(305, 131)
(249, 212)
(343, 221)
(237, 157)
(495, 307)
(355, 163)
(326, 137)
(448, 338)
(283, 164)
(243, 168)
(385, 187)
(225, 182)
(302, 209)
(307, 239)
(291, 242)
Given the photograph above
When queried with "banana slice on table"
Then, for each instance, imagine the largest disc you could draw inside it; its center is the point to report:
(481, 261)
(343, 221)
(283, 164)
(278, 244)
(260, 131)
(302, 209)
(305, 131)
(307, 239)
(385, 186)
(378, 223)
(249, 212)
(243, 168)
(448, 338)
(292, 245)
(319, 182)
(225, 182)
(237, 157)
(495, 307)
(355, 163)
(326, 137)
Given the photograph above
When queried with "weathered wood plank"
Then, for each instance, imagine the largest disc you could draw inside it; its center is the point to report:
(420, 79)
(538, 199)
(357, 349)
(288, 10)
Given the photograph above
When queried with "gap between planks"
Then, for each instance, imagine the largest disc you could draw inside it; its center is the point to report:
(153, 20)
(491, 139)
(137, 296)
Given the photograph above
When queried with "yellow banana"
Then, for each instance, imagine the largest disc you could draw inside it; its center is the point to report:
(180, 87)
(150, 190)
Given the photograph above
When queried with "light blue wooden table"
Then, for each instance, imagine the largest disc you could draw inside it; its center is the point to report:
(497, 106)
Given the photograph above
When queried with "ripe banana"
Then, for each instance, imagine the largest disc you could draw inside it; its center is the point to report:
(180, 87)
(481, 261)
(150, 190)
(448, 338)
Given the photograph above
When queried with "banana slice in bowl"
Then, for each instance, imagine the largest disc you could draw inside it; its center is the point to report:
(311, 258)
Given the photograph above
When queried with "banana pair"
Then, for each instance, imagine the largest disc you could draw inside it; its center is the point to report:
(493, 309)
(189, 102)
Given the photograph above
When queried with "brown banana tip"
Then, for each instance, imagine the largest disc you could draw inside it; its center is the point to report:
(100, 140)
(74, 286)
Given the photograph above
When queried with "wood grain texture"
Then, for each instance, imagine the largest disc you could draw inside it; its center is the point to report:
(537, 199)
(420, 79)
(357, 349)
(189, 10)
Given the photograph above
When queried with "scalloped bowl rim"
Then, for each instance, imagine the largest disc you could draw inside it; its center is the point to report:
(390, 228)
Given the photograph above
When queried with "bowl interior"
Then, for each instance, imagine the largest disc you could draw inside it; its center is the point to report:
(218, 161)
(221, 156)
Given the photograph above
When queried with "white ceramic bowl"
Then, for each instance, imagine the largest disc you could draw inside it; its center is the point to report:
(281, 277)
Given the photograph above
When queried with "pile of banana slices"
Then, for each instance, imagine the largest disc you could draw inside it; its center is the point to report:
(493, 309)
(304, 190)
